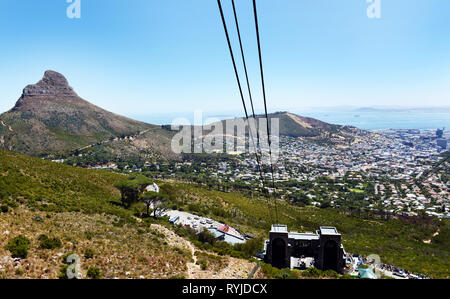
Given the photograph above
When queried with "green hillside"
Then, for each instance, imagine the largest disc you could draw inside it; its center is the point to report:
(79, 201)
(399, 243)
(55, 187)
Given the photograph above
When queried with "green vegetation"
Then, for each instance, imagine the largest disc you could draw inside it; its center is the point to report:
(49, 243)
(89, 253)
(310, 273)
(132, 188)
(399, 242)
(94, 273)
(18, 247)
(206, 241)
(46, 188)
(52, 187)
(210, 262)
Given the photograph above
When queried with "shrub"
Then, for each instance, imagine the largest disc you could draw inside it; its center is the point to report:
(93, 273)
(203, 264)
(89, 235)
(250, 248)
(89, 253)
(312, 273)
(4, 209)
(206, 237)
(331, 274)
(47, 243)
(275, 273)
(286, 274)
(18, 247)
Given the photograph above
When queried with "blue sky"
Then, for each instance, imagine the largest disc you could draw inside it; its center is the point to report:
(144, 57)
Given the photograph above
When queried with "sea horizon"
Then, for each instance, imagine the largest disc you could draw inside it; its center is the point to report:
(362, 119)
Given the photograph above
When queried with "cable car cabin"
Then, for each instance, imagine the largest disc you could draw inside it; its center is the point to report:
(285, 249)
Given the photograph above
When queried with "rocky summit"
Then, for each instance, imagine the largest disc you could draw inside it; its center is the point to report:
(50, 118)
(52, 83)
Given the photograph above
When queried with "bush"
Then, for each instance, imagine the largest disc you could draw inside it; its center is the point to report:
(177, 277)
(331, 274)
(312, 273)
(89, 235)
(286, 274)
(206, 237)
(18, 247)
(275, 273)
(250, 248)
(93, 273)
(203, 264)
(47, 243)
(89, 253)
(4, 209)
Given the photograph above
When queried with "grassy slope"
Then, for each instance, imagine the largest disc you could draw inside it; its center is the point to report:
(55, 187)
(78, 207)
(78, 198)
(81, 208)
(396, 242)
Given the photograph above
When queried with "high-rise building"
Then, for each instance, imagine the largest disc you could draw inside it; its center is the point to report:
(442, 143)
(440, 133)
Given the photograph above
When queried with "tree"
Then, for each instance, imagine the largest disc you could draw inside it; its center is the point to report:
(158, 201)
(129, 192)
(131, 189)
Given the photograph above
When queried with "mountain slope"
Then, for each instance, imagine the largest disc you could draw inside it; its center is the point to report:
(296, 126)
(50, 117)
(81, 208)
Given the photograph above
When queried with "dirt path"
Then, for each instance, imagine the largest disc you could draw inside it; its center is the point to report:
(176, 241)
(193, 268)
(235, 269)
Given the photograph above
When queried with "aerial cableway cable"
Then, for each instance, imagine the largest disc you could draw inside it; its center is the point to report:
(259, 152)
(240, 91)
(244, 63)
(265, 100)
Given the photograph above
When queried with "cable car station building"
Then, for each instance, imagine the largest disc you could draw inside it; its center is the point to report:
(284, 249)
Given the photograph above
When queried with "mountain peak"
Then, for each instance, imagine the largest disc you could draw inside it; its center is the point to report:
(53, 83)
(53, 78)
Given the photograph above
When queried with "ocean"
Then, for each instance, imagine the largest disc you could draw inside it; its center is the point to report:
(367, 120)
(379, 120)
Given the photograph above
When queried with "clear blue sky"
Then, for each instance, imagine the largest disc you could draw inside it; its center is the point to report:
(142, 57)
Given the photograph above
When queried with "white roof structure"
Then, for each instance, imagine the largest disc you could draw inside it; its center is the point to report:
(298, 236)
(328, 230)
(152, 188)
(279, 229)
